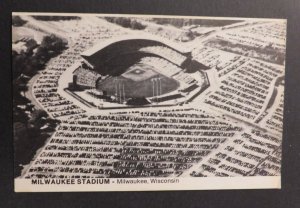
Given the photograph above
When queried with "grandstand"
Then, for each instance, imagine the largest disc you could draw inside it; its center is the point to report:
(139, 69)
(85, 78)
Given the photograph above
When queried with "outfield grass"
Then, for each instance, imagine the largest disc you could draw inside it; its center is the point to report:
(136, 89)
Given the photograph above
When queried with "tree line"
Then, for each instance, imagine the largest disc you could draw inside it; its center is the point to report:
(126, 22)
(187, 22)
(28, 121)
(36, 56)
(55, 18)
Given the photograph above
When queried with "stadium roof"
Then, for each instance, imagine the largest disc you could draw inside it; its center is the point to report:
(108, 42)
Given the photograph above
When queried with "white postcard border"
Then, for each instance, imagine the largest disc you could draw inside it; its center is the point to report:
(146, 184)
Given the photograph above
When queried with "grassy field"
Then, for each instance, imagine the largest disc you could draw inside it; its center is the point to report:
(140, 72)
(267, 54)
(136, 89)
(25, 32)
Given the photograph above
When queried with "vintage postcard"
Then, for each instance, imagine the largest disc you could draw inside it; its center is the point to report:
(146, 102)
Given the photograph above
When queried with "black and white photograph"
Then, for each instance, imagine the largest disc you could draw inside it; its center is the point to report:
(107, 102)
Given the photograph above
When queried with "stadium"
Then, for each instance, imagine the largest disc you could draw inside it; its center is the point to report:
(134, 72)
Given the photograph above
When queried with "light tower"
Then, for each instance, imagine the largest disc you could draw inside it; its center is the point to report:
(152, 80)
(156, 81)
(159, 79)
(116, 87)
(124, 97)
(120, 91)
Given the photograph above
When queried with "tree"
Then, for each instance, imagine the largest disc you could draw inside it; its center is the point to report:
(136, 25)
(53, 43)
(126, 22)
(18, 21)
